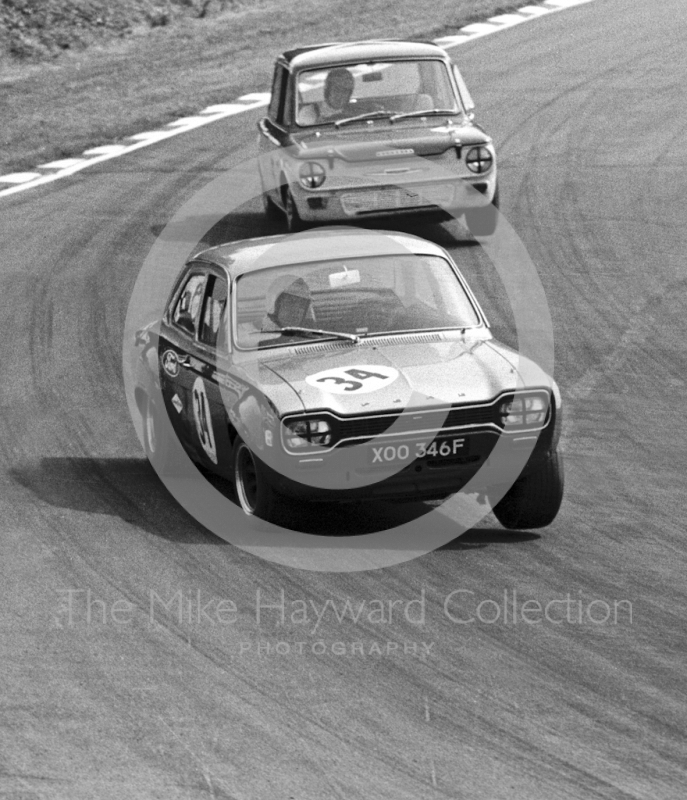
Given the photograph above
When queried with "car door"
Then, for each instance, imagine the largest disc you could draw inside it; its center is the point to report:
(208, 358)
(177, 336)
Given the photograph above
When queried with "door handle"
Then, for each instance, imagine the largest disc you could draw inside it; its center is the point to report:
(185, 361)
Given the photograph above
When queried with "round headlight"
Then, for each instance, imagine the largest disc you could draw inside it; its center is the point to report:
(479, 159)
(312, 175)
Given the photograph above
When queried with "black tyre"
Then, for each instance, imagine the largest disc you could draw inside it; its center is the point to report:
(254, 492)
(482, 221)
(268, 206)
(533, 501)
(294, 223)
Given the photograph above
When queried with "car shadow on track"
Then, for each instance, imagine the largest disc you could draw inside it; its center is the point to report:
(247, 223)
(482, 537)
(341, 519)
(130, 489)
(356, 519)
(127, 488)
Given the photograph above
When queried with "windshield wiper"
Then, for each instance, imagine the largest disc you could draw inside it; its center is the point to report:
(292, 330)
(368, 115)
(426, 113)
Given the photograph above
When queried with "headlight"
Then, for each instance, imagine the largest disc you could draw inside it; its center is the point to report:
(302, 432)
(524, 411)
(479, 159)
(312, 175)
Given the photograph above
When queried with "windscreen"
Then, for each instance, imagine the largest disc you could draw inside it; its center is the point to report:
(361, 296)
(395, 87)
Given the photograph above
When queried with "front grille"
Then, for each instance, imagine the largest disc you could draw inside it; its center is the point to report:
(348, 431)
(368, 428)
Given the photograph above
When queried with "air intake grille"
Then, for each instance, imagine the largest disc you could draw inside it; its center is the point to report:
(367, 428)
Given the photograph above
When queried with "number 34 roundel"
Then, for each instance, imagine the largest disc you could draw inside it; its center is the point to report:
(358, 379)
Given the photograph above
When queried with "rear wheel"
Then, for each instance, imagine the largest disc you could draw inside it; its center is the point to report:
(482, 221)
(533, 501)
(255, 493)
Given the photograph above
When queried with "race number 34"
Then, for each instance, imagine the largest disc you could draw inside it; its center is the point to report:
(357, 379)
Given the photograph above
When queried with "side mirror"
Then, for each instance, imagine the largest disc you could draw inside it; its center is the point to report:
(468, 102)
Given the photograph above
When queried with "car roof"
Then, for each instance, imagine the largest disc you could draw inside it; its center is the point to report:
(248, 255)
(331, 53)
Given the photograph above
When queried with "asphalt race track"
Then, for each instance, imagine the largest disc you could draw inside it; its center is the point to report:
(128, 698)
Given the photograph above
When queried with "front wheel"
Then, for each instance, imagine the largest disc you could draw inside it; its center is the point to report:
(482, 221)
(254, 491)
(533, 501)
(268, 206)
(294, 223)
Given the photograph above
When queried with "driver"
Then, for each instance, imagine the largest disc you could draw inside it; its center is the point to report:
(338, 90)
(289, 304)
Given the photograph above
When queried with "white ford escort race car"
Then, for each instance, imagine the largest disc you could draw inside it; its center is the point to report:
(346, 365)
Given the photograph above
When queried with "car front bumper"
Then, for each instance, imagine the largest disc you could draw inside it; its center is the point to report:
(451, 196)
(316, 479)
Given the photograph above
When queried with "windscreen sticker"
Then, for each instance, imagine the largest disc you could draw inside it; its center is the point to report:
(358, 379)
(345, 278)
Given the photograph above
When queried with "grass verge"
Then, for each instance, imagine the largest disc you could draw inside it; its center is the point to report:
(108, 91)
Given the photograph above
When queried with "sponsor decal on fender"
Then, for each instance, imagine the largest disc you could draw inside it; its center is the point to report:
(170, 363)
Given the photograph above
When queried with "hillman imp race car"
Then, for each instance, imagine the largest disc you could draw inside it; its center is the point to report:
(373, 129)
(346, 365)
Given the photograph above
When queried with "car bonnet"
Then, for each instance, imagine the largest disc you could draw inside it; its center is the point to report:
(352, 144)
(420, 374)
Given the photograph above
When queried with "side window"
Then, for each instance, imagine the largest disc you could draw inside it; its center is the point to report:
(213, 316)
(187, 309)
(286, 108)
(468, 102)
(278, 85)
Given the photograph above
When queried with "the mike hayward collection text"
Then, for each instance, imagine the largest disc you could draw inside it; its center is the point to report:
(277, 610)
